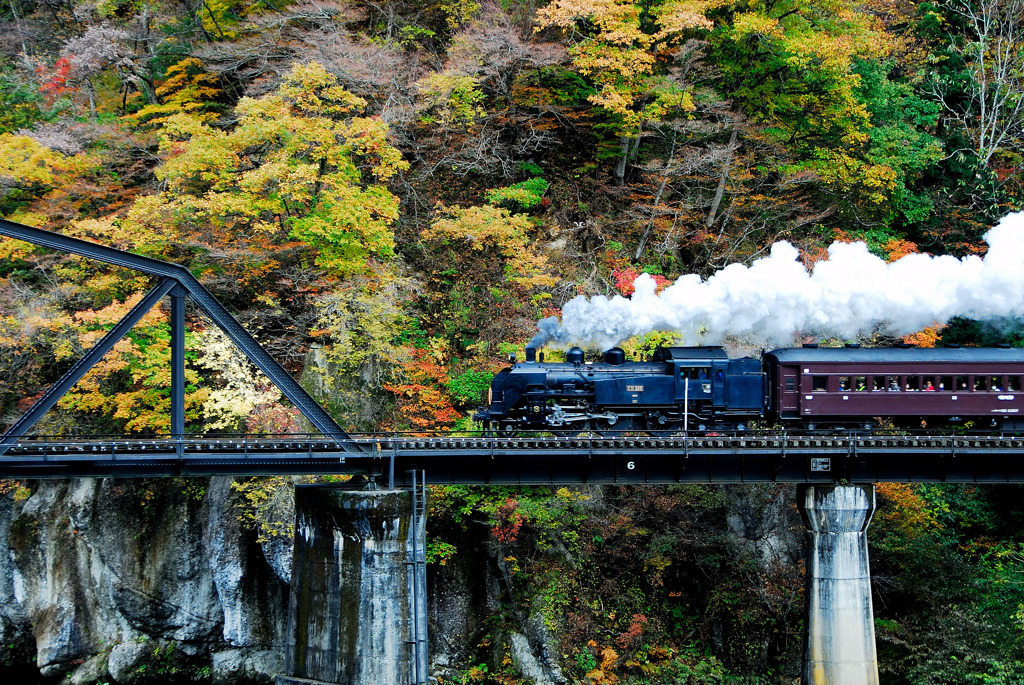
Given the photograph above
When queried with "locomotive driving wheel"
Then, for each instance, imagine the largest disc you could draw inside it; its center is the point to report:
(607, 429)
(658, 424)
(509, 430)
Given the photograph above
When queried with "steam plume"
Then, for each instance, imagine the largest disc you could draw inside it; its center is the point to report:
(776, 299)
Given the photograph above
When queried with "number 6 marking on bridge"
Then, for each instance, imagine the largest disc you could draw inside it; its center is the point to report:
(630, 465)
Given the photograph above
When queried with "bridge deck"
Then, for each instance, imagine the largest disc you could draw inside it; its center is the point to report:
(741, 458)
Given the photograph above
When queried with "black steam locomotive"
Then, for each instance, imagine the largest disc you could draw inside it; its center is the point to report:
(810, 387)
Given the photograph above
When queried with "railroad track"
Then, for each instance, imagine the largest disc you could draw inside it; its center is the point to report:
(542, 459)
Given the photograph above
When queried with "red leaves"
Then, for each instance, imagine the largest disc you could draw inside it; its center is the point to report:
(509, 521)
(631, 637)
(57, 82)
(273, 418)
(623, 278)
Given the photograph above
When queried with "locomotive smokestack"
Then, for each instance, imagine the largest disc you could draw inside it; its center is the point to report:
(531, 354)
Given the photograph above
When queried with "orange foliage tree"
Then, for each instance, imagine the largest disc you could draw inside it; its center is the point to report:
(422, 404)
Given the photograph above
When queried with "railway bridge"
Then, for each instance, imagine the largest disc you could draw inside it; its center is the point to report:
(388, 458)
(387, 643)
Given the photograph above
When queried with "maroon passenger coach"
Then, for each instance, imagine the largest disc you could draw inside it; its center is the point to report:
(847, 387)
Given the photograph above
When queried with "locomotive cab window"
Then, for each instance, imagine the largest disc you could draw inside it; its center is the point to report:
(819, 383)
(697, 373)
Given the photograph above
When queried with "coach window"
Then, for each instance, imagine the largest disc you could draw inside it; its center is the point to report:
(844, 383)
(979, 384)
(877, 383)
(997, 384)
(913, 383)
(946, 384)
(860, 384)
(819, 383)
(961, 384)
(790, 384)
(894, 383)
(1013, 383)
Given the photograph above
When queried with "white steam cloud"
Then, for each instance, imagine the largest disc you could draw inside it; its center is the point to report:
(776, 299)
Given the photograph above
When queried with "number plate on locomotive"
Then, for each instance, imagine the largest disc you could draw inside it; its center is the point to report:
(634, 388)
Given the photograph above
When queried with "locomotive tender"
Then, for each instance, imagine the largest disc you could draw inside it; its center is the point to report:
(809, 387)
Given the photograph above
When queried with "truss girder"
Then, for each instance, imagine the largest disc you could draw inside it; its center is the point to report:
(179, 283)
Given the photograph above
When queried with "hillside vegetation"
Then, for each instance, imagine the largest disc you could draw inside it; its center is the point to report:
(389, 196)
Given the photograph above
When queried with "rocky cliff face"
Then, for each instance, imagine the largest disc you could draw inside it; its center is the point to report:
(139, 581)
(147, 581)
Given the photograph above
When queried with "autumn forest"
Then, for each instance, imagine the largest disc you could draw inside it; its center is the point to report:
(389, 195)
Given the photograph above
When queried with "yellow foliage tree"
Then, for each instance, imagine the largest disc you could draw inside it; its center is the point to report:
(188, 89)
(29, 170)
(498, 228)
(616, 43)
(300, 164)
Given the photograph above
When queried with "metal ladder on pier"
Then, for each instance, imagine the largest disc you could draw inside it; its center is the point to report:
(418, 576)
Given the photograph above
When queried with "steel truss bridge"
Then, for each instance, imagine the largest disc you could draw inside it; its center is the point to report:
(749, 457)
(526, 460)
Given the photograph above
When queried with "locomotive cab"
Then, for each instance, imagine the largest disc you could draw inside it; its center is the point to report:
(715, 389)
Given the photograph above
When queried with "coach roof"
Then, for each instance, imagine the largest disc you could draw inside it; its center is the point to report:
(962, 355)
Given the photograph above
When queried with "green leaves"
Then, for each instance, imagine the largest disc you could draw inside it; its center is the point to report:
(454, 98)
(521, 196)
(470, 387)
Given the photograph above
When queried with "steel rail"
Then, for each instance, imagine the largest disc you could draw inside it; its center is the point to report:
(543, 459)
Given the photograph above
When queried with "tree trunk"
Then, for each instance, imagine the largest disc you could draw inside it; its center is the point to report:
(712, 215)
(92, 97)
(620, 168)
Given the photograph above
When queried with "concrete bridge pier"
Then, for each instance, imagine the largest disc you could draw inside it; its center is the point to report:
(840, 641)
(357, 610)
